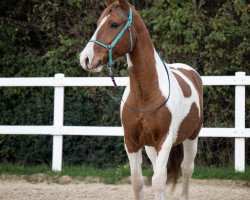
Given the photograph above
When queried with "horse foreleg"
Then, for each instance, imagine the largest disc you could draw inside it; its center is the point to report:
(135, 161)
(152, 154)
(159, 178)
(187, 166)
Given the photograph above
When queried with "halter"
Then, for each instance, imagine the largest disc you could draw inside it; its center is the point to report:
(118, 37)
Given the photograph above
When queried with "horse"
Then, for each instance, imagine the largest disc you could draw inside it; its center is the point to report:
(162, 105)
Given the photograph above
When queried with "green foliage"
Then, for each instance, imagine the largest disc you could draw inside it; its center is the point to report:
(41, 38)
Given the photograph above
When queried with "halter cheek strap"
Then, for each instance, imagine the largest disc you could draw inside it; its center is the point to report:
(118, 37)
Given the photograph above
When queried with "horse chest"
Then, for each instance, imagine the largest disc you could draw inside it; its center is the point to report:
(145, 129)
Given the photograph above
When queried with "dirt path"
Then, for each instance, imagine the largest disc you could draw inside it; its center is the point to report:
(16, 189)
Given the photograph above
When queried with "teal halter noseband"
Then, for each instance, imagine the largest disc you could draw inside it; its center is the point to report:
(118, 37)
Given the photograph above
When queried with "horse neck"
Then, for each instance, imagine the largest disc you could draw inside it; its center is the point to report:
(143, 73)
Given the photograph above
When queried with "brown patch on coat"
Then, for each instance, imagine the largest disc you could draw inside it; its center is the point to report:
(189, 125)
(196, 80)
(186, 90)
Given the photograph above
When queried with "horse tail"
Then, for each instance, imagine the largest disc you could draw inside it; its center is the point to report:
(174, 163)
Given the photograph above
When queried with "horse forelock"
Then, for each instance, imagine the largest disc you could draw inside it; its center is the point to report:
(105, 13)
(108, 10)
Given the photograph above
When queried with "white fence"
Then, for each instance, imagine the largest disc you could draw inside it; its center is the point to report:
(59, 82)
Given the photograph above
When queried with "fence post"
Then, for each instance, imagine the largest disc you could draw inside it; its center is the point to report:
(240, 122)
(58, 123)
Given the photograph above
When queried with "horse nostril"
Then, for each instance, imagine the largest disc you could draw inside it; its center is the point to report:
(87, 62)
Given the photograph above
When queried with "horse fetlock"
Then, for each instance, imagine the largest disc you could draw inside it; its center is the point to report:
(137, 183)
(160, 196)
(159, 183)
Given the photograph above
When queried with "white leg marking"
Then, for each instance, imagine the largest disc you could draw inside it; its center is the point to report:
(152, 154)
(160, 174)
(88, 51)
(135, 161)
(187, 166)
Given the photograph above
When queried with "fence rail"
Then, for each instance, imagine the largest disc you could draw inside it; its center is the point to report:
(59, 82)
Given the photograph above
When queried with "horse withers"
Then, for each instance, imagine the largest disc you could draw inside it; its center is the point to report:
(162, 107)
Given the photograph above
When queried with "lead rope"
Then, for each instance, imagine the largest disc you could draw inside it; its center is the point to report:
(111, 75)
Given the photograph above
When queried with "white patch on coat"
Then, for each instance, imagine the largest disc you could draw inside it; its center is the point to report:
(124, 98)
(88, 51)
(127, 89)
(129, 61)
(178, 105)
(195, 96)
(180, 65)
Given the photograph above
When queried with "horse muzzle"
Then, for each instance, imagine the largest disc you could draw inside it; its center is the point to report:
(92, 65)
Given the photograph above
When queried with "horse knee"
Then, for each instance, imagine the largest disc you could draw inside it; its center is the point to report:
(137, 182)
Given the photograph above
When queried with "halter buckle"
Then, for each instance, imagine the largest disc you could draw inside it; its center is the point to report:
(109, 47)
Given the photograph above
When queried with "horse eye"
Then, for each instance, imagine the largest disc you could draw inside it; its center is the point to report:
(114, 25)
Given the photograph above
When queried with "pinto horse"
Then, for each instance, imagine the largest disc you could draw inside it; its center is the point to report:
(162, 107)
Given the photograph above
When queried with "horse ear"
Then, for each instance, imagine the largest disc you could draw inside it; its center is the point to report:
(124, 4)
(108, 2)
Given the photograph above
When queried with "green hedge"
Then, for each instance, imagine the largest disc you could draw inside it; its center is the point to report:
(41, 38)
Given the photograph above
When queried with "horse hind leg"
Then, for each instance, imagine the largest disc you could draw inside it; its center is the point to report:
(187, 166)
(135, 161)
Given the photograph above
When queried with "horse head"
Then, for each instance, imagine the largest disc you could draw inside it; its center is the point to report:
(113, 38)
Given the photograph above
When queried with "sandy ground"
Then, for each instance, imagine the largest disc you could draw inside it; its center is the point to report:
(19, 189)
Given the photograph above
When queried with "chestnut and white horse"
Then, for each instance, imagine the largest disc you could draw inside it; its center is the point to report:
(162, 108)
